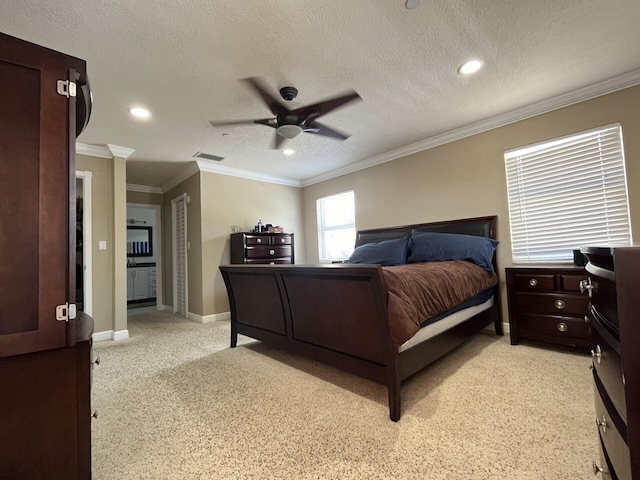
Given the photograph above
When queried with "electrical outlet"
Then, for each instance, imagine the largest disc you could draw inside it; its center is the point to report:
(102, 245)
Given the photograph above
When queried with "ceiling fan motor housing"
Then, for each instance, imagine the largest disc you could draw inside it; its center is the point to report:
(289, 93)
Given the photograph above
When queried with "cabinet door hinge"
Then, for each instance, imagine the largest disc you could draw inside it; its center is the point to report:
(66, 88)
(66, 312)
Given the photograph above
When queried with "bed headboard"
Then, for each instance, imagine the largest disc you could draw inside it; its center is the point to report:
(479, 226)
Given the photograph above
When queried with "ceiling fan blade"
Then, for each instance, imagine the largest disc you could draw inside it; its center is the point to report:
(321, 108)
(278, 140)
(320, 129)
(269, 122)
(262, 90)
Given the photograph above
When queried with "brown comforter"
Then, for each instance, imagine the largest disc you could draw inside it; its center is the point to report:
(418, 291)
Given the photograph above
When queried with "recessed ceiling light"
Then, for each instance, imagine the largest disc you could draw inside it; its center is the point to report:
(288, 151)
(472, 66)
(140, 112)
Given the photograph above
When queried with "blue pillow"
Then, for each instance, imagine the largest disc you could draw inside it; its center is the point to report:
(387, 252)
(440, 247)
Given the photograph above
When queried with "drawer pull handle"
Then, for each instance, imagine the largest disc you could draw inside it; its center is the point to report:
(533, 282)
(272, 252)
(282, 240)
(94, 415)
(562, 327)
(602, 424)
(259, 240)
(598, 469)
(559, 304)
(272, 263)
(597, 354)
(588, 286)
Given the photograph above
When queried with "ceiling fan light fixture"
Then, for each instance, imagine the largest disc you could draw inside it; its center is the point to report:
(472, 66)
(289, 131)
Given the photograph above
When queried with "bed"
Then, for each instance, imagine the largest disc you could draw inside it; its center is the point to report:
(340, 314)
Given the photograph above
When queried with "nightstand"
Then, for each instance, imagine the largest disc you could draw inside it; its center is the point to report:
(546, 305)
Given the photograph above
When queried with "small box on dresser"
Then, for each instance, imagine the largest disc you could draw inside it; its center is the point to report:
(546, 305)
(614, 288)
(262, 248)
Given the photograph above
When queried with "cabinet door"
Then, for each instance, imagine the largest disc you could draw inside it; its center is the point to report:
(141, 284)
(131, 279)
(37, 181)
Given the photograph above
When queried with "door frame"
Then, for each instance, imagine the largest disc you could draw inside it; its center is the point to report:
(174, 251)
(157, 246)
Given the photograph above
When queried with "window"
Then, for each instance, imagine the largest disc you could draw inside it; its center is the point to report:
(566, 193)
(336, 226)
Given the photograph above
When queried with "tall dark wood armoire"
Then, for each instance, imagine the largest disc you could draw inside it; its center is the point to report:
(45, 348)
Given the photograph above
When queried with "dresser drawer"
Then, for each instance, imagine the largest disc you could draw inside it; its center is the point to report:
(614, 445)
(555, 328)
(534, 282)
(268, 261)
(258, 239)
(608, 365)
(553, 303)
(281, 240)
(269, 252)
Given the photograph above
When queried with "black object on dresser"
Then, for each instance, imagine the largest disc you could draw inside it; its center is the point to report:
(613, 284)
(262, 248)
(546, 305)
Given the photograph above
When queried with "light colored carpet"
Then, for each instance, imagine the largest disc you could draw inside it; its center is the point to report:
(175, 402)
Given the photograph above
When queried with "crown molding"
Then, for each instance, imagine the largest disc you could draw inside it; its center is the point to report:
(236, 172)
(103, 151)
(621, 82)
(122, 152)
(132, 187)
(189, 170)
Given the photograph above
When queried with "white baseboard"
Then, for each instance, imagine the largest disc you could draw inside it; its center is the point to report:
(110, 335)
(209, 318)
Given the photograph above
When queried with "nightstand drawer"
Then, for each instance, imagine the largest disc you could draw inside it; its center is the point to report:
(534, 282)
(571, 283)
(257, 240)
(555, 328)
(552, 303)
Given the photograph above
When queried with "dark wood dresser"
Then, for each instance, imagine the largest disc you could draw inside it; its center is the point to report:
(262, 248)
(546, 305)
(613, 284)
(45, 348)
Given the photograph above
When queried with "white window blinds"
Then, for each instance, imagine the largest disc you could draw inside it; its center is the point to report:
(336, 226)
(566, 193)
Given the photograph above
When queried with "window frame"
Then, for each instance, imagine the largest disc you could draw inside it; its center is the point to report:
(545, 202)
(322, 227)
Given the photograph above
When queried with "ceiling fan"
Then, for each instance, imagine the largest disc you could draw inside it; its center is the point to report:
(291, 123)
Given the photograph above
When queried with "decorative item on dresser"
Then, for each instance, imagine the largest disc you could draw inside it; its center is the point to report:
(262, 248)
(546, 305)
(613, 284)
(45, 347)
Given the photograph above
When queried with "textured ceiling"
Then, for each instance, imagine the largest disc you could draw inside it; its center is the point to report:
(184, 59)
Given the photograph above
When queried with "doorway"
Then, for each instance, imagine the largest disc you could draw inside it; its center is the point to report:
(84, 264)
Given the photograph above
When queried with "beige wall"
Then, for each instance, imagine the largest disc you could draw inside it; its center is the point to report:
(466, 178)
(144, 198)
(191, 186)
(102, 216)
(230, 201)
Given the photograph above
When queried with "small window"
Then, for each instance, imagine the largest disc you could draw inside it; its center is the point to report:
(567, 192)
(336, 226)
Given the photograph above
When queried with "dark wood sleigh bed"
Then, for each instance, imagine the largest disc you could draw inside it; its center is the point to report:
(338, 313)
